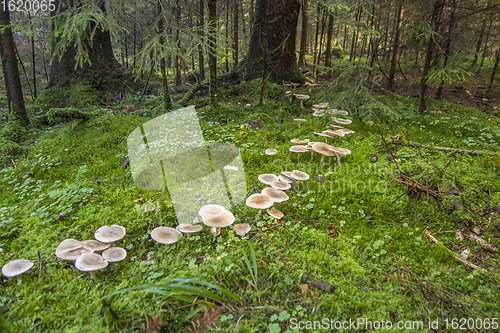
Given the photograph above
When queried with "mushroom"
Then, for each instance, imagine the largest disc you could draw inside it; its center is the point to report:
(340, 152)
(275, 195)
(90, 262)
(114, 254)
(345, 131)
(221, 220)
(286, 173)
(299, 175)
(323, 149)
(302, 98)
(298, 120)
(271, 151)
(326, 136)
(279, 185)
(188, 228)
(295, 85)
(336, 126)
(94, 245)
(259, 201)
(285, 179)
(165, 235)
(333, 133)
(210, 210)
(241, 229)
(69, 245)
(110, 234)
(268, 178)
(342, 121)
(298, 149)
(299, 142)
(276, 214)
(335, 111)
(73, 254)
(289, 94)
(318, 113)
(320, 106)
(311, 85)
(16, 268)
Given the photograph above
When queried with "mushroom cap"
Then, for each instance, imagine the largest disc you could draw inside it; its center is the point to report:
(241, 229)
(299, 175)
(275, 213)
(90, 262)
(298, 149)
(342, 121)
(335, 111)
(299, 120)
(221, 220)
(110, 234)
(302, 97)
(320, 106)
(279, 185)
(210, 210)
(275, 195)
(336, 126)
(345, 131)
(288, 92)
(299, 142)
(334, 133)
(165, 235)
(323, 148)
(285, 179)
(68, 245)
(73, 254)
(340, 151)
(94, 245)
(188, 228)
(271, 151)
(295, 84)
(318, 114)
(323, 135)
(259, 201)
(114, 254)
(16, 267)
(287, 173)
(268, 178)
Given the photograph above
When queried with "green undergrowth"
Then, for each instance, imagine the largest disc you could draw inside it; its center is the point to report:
(70, 182)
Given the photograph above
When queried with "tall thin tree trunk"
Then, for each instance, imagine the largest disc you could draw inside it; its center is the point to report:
(395, 48)
(480, 37)
(235, 32)
(495, 67)
(428, 57)
(178, 74)
(135, 41)
(167, 102)
(201, 23)
(485, 48)
(329, 34)
(244, 48)
(212, 60)
(303, 33)
(318, 15)
(252, 17)
(447, 48)
(352, 55)
(33, 59)
(344, 41)
(323, 22)
(226, 26)
(11, 71)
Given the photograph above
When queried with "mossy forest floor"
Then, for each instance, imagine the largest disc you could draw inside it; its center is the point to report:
(348, 247)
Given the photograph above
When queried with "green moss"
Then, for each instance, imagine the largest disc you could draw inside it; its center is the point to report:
(76, 95)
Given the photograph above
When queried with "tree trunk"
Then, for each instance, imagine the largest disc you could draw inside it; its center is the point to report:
(212, 60)
(226, 27)
(178, 74)
(480, 38)
(355, 37)
(318, 15)
(328, 55)
(11, 71)
(281, 35)
(447, 48)
(167, 102)
(235, 32)
(495, 67)
(395, 48)
(201, 23)
(252, 18)
(485, 48)
(323, 23)
(428, 57)
(303, 33)
(244, 28)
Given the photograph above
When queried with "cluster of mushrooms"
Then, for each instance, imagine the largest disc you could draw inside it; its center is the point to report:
(300, 97)
(326, 150)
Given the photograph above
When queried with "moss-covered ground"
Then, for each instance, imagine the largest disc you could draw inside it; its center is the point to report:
(348, 247)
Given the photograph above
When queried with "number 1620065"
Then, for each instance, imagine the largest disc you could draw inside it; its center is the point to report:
(28, 5)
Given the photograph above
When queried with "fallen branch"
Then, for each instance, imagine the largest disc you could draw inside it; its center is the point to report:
(456, 255)
(484, 244)
(453, 150)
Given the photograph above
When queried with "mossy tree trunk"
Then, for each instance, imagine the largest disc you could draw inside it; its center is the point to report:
(281, 34)
(11, 71)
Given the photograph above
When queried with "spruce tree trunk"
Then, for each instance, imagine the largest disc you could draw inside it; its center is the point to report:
(323, 23)
(235, 32)
(212, 60)
(428, 57)
(201, 23)
(11, 71)
(281, 34)
(226, 27)
(328, 55)
(495, 67)
(395, 48)
(480, 37)
(485, 48)
(303, 33)
(178, 74)
(318, 15)
(447, 48)
(167, 102)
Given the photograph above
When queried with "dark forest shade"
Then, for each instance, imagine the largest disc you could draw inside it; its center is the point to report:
(281, 32)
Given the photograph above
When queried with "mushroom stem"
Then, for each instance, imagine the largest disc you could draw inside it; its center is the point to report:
(291, 102)
(92, 274)
(310, 89)
(260, 212)
(302, 106)
(216, 231)
(19, 279)
(323, 159)
(338, 159)
(312, 155)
